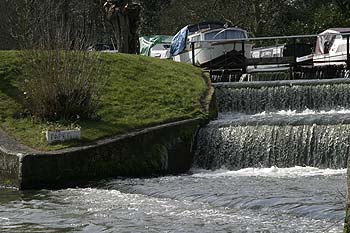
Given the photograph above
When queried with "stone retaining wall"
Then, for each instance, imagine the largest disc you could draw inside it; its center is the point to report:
(165, 149)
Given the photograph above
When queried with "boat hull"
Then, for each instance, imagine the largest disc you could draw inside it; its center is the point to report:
(330, 59)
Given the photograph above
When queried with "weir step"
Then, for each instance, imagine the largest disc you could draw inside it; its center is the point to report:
(255, 97)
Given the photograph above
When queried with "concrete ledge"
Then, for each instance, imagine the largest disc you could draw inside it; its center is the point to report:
(259, 84)
(165, 149)
(281, 120)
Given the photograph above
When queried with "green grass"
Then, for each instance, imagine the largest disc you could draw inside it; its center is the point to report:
(140, 92)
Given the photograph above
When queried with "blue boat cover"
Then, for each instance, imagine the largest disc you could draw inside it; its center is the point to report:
(178, 44)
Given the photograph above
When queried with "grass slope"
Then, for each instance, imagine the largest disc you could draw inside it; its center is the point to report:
(140, 92)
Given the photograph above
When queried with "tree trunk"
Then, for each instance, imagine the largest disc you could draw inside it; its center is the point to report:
(124, 17)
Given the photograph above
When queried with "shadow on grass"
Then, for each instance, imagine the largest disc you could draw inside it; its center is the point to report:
(10, 90)
(9, 76)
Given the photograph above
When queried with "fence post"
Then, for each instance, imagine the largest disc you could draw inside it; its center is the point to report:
(294, 50)
(244, 67)
(294, 63)
(193, 55)
(347, 52)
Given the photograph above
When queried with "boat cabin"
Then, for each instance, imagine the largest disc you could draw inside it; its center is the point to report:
(215, 31)
(331, 41)
(331, 47)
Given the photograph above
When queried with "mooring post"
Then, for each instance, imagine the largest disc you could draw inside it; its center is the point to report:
(347, 52)
(193, 55)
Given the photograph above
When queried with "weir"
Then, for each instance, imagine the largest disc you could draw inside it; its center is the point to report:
(241, 146)
(255, 97)
(252, 131)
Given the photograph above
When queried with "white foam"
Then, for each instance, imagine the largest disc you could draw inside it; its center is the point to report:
(305, 112)
(270, 172)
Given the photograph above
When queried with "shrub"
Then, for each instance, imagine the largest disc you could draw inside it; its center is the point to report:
(62, 84)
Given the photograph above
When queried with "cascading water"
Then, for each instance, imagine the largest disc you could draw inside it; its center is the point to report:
(311, 138)
(284, 95)
(240, 146)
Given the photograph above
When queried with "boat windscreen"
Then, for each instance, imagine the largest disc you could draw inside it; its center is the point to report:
(225, 34)
(324, 43)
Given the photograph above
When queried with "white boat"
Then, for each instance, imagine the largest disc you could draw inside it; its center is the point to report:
(280, 56)
(269, 51)
(161, 51)
(331, 47)
(211, 41)
(155, 46)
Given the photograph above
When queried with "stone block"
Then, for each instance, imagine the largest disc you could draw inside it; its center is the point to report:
(62, 135)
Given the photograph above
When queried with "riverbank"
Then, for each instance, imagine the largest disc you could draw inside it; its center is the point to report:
(140, 92)
(150, 112)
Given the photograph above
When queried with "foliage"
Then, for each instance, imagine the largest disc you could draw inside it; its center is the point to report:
(151, 12)
(25, 22)
(260, 18)
(62, 81)
(62, 85)
(20, 18)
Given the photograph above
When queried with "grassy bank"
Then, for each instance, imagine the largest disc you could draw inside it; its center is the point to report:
(140, 92)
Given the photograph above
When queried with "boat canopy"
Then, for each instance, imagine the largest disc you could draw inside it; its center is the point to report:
(326, 39)
(148, 42)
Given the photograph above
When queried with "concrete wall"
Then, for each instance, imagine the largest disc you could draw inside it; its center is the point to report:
(9, 169)
(347, 205)
(165, 149)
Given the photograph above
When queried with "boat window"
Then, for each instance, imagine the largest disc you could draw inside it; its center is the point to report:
(232, 34)
(225, 35)
(210, 35)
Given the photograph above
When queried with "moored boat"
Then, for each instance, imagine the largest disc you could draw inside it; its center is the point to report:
(211, 41)
(331, 48)
(156, 46)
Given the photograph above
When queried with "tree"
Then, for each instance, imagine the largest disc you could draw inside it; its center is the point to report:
(124, 16)
(29, 22)
(6, 40)
(151, 16)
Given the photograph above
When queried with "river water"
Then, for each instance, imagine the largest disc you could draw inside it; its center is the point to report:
(242, 190)
(297, 199)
